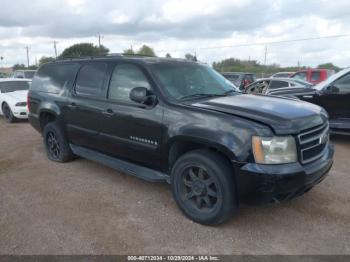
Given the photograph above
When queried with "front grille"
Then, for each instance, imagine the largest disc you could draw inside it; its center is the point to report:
(313, 143)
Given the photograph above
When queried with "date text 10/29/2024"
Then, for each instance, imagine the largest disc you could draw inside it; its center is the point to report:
(173, 258)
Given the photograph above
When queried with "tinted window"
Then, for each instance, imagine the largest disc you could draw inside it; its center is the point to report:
(315, 76)
(6, 87)
(90, 79)
(124, 78)
(300, 75)
(343, 84)
(52, 78)
(278, 84)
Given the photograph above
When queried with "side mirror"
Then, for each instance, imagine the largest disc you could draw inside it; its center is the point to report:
(332, 89)
(142, 95)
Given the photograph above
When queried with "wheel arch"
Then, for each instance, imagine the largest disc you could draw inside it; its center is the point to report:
(180, 145)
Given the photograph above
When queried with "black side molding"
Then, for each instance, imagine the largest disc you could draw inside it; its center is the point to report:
(121, 165)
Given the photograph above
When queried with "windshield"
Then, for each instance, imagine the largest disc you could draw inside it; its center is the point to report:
(331, 79)
(12, 86)
(186, 80)
(29, 74)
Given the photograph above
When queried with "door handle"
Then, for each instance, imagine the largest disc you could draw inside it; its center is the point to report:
(108, 112)
(307, 96)
(72, 106)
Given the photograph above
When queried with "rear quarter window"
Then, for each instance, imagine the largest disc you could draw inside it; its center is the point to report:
(53, 78)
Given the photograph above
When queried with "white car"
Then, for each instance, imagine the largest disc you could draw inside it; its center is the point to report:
(13, 98)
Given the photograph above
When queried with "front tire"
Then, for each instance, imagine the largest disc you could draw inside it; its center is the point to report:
(56, 144)
(7, 112)
(203, 186)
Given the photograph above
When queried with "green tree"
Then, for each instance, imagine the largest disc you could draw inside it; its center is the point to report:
(129, 51)
(168, 55)
(146, 51)
(329, 66)
(84, 49)
(190, 57)
(46, 59)
(19, 67)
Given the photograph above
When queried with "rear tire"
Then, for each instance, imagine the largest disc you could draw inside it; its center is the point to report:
(7, 112)
(203, 186)
(56, 144)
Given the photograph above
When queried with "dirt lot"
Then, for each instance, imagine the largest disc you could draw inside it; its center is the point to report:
(85, 208)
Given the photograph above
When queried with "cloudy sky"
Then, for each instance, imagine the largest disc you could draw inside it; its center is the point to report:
(179, 27)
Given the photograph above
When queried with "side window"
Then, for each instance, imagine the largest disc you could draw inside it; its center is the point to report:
(52, 78)
(343, 84)
(90, 79)
(278, 84)
(315, 76)
(300, 75)
(124, 78)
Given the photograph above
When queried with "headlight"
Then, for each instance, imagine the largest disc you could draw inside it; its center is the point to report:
(21, 104)
(274, 150)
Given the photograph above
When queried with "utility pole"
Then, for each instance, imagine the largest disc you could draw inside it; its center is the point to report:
(99, 39)
(55, 47)
(265, 55)
(27, 49)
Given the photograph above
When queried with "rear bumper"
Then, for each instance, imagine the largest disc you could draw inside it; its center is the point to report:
(258, 184)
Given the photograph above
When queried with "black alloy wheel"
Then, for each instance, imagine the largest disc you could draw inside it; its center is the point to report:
(200, 189)
(53, 145)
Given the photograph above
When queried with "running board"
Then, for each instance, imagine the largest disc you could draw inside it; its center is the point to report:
(121, 165)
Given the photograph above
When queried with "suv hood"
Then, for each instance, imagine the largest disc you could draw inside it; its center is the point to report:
(283, 115)
(19, 96)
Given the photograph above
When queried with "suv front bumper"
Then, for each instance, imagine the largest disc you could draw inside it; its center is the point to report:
(259, 184)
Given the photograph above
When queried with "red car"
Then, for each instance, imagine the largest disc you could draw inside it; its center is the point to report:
(313, 76)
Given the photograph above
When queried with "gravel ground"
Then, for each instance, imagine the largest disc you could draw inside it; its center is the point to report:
(85, 208)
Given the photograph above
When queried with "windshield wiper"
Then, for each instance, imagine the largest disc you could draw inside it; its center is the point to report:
(201, 95)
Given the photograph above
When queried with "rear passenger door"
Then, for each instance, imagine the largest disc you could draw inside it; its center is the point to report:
(82, 112)
(130, 130)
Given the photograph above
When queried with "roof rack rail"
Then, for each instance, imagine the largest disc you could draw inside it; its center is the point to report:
(101, 56)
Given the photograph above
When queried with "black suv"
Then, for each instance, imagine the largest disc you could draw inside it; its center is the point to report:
(181, 122)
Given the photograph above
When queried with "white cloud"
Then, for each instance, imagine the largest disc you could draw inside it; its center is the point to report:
(179, 26)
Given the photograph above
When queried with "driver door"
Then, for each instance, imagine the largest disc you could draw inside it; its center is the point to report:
(130, 130)
(336, 98)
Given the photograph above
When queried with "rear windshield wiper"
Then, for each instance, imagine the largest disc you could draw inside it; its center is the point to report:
(201, 95)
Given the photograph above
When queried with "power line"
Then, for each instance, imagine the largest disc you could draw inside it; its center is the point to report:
(260, 43)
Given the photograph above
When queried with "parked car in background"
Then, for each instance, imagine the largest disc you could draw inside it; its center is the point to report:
(265, 85)
(313, 76)
(282, 75)
(3, 75)
(27, 74)
(13, 98)
(332, 94)
(241, 80)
